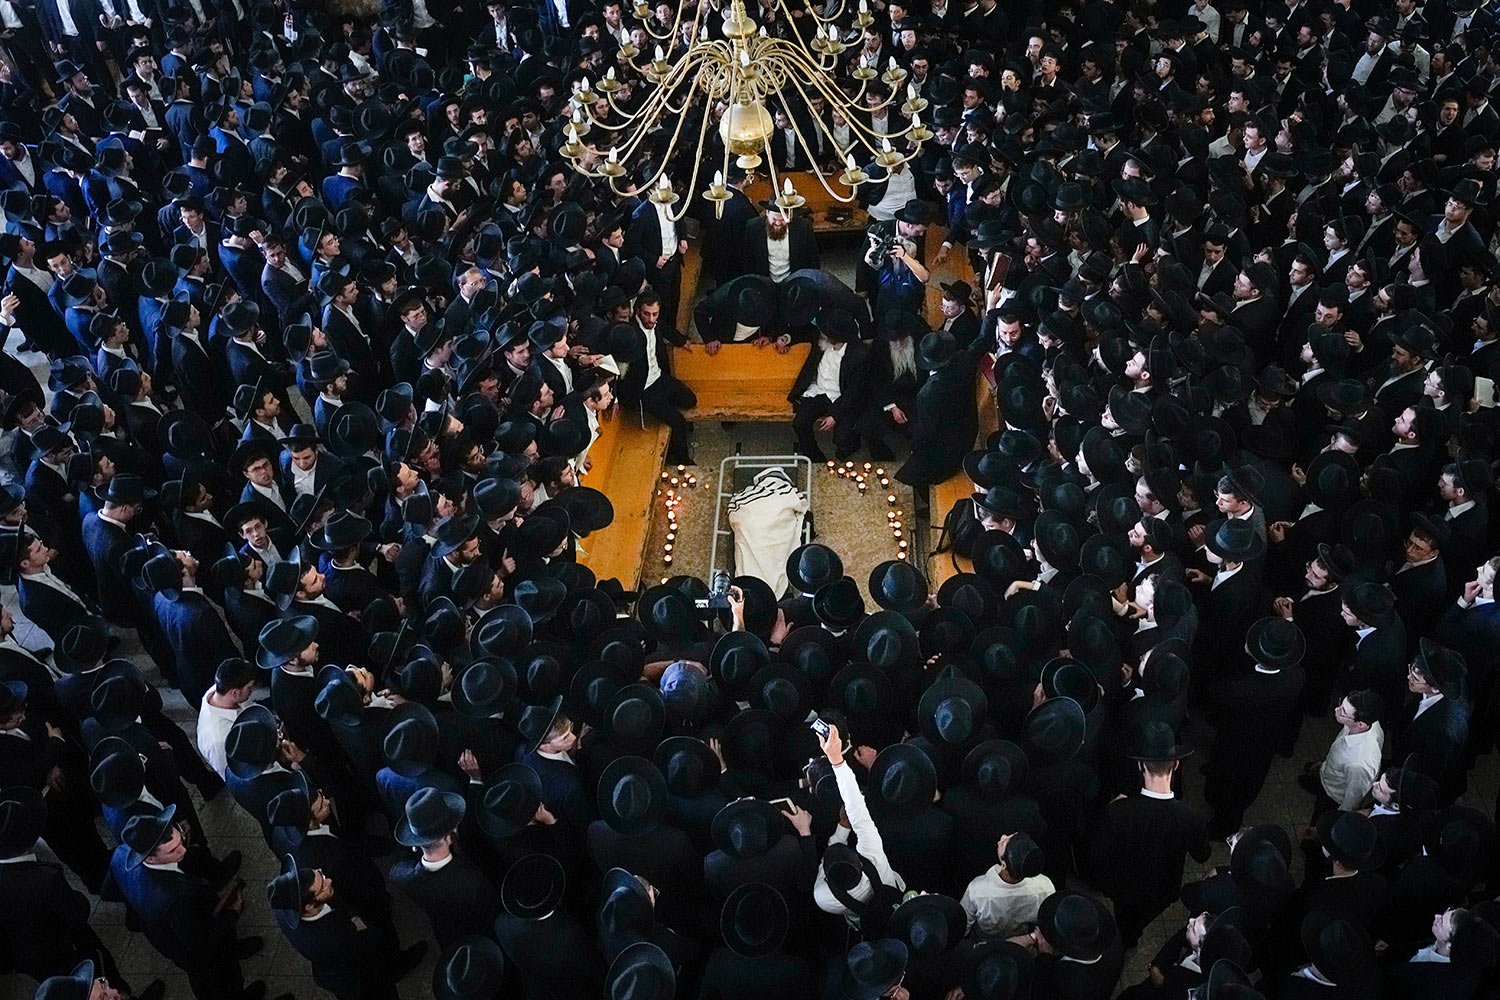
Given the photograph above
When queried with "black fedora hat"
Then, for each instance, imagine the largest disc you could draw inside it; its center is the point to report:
(23, 816)
(735, 659)
(747, 827)
(1075, 924)
(952, 711)
(904, 778)
(1440, 667)
(812, 566)
(634, 718)
(668, 615)
(838, 605)
(1372, 603)
(632, 796)
(484, 688)
(1333, 480)
(782, 689)
(503, 631)
(430, 815)
(897, 585)
(1155, 741)
(1276, 643)
(886, 640)
(592, 688)
(250, 747)
(1054, 730)
(872, 969)
(509, 801)
(284, 638)
(1234, 540)
(533, 887)
(1065, 677)
(411, 742)
(862, 692)
(994, 767)
(470, 968)
(998, 970)
(754, 920)
(342, 530)
(142, 833)
(1338, 947)
(813, 650)
(1351, 839)
(689, 765)
(929, 924)
(641, 972)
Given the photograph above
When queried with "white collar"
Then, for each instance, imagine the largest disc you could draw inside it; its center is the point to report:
(1166, 796)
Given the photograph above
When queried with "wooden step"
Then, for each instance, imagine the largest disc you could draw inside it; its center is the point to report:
(741, 382)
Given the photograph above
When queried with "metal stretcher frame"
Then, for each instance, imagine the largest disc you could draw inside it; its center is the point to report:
(727, 489)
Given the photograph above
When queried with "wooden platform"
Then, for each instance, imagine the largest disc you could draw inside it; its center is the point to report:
(627, 461)
(741, 382)
(819, 202)
(944, 495)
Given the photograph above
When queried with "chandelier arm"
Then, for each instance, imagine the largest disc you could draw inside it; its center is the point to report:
(692, 188)
(659, 98)
(667, 158)
(807, 148)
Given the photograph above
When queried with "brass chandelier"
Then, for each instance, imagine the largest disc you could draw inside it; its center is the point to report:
(744, 70)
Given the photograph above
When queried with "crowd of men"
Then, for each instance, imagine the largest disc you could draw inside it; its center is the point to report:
(332, 326)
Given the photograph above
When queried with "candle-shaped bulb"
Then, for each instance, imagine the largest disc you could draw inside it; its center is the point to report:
(718, 178)
(885, 145)
(893, 67)
(583, 84)
(849, 162)
(744, 57)
(864, 6)
(614, 154)
(911, 90)
(703, 35)
(611, 74)
(787, 188)
(660, 55)
(666, 185)
(916, 120)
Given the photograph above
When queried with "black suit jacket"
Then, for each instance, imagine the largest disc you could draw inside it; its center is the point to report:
(457, 898)
(852, 381)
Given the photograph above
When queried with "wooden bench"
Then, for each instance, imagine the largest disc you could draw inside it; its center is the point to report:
(627, 461)
(741, 382)
(955, 268)
(820, 204)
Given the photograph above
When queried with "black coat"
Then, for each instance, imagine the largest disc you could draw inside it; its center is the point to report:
(789, 866)
(198, 639)
(665, 857)
(457, 898)
(349, 957)
(1138, 849)
(1379, 665)
(733, 977)
(50, 934)
(1439, 737)
(946, 422)
(852, 381)
(558, 959)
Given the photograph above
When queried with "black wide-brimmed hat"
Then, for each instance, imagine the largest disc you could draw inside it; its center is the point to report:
(886, 640)
(1234, 540)
(838, 605)
(754, 920)
(509, 802)
(1155, 741)
(747, 827)
(632, 796)
(1276, 643)
(904, 778)
(533, 887)
(872, 969)
(411, 742)
(897, 585)
(634, 718)
(952, 711)
(250, 746)
(736, 658)
(1372, 603)
(1337, 946)
(863, 693)
(431, 814)
(143, 832)
(470, 968)
(1075, 924)
(994, 767)
(812, 566)
(1054, 730)
(1351, 838)
(23, 816)
(929, 924)
(484, 688)
(641, 972)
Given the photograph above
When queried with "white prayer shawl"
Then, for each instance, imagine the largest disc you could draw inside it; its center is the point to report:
(766, 518)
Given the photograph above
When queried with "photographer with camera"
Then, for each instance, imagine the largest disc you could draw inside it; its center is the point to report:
(900, 278)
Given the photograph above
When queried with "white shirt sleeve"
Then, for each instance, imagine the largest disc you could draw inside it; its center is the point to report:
(870, 846)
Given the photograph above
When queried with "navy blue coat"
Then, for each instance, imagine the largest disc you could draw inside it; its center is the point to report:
(198, 639)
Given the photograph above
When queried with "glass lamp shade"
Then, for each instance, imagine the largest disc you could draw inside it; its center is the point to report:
(745, 127)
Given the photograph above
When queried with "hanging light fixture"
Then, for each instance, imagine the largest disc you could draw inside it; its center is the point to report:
(743, 70)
